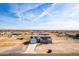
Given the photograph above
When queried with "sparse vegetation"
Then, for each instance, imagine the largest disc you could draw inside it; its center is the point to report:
(49, 51)
(25, 43)
(60, 45)
(20, 38)
(77, 36)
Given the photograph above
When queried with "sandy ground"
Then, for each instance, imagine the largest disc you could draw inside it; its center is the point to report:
(60, 45)
(12, 46)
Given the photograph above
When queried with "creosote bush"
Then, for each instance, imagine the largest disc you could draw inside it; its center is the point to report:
(77, 35)
(49, 51)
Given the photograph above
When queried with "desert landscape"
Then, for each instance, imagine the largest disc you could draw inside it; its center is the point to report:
(20, 42)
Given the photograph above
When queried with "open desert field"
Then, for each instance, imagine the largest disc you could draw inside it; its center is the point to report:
(59, 46)
(15, 43)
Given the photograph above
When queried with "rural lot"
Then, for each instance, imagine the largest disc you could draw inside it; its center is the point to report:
(13, 42)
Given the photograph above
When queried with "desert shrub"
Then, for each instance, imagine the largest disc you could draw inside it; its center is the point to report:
(77, 35)
(20, 38)
(49, 51)
(25, 43)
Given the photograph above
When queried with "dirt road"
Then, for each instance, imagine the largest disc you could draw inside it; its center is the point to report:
(31, 48)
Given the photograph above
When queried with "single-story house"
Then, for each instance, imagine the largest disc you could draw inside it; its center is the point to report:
(40, 39)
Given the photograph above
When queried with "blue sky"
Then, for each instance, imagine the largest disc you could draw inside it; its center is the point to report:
(49, 16)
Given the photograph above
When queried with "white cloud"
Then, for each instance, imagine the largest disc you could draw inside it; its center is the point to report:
(19, 9)
(66, 17)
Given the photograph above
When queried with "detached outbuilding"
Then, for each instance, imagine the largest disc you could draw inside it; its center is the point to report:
(40, 39)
